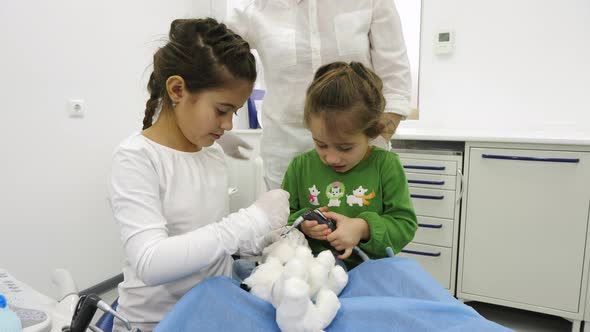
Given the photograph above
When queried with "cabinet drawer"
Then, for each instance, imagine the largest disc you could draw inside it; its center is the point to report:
(526, 219)
(433, 181)
(435, 260)
(433, 203)
(429, 166)
(434, 231)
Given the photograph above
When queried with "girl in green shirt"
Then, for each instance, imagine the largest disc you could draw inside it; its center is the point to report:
(361, 187)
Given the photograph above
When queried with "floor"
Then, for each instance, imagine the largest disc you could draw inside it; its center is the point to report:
(521, 320)
(518, 320)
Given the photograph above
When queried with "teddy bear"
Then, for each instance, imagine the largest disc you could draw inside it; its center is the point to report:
(303, 289)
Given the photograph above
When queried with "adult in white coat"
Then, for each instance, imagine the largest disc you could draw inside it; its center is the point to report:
(169, 186)
(294, 38)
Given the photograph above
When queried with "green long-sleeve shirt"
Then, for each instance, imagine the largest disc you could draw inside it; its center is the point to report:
(375, 190)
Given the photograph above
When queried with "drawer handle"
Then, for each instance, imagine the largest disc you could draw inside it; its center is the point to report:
(551, 160)
(430, 225)
(428, 197)
(421, 253)
(434, 183)
(431, 168)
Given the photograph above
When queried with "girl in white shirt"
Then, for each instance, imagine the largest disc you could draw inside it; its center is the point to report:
(169, 187)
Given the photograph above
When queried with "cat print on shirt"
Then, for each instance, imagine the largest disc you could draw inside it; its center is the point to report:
(335, 191)
(313, 195)
(358, 197)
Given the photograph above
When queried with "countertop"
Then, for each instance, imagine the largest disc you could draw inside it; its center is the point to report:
(562, 137)
(549, 136)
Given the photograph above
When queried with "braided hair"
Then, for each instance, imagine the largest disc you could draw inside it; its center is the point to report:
(205, 53)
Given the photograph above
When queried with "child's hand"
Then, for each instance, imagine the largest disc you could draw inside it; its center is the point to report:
(315, 231)
(349, 232)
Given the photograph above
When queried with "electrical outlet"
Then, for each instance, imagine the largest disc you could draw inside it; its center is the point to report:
(76, 108)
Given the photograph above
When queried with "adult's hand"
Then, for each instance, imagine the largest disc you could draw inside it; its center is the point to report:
(391, 121)
(231, 144)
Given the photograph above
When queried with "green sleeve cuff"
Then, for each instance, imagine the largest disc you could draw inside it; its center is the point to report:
(377, 230)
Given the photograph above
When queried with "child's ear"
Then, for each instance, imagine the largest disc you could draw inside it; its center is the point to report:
(377, 129)
(175, 87)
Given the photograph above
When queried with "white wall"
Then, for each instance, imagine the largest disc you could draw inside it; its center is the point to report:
(410, 13)
(54, 169)
(517, 64)
(521, 65)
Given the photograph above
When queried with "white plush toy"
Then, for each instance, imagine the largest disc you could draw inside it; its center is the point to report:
(297, 313)
(292, 280)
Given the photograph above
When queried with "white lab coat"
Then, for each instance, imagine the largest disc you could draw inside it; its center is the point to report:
(294, 38)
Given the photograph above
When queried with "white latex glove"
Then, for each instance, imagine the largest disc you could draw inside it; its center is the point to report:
(274, 205)
(381, 142)
(231, 144)
(272, 211)
(256, 247)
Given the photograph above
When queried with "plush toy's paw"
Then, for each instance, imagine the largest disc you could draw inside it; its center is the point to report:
(327, 305)
(298, 313)
(337, 280)
(318, 277)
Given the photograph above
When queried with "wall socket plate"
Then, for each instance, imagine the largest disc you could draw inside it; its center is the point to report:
(76, 108)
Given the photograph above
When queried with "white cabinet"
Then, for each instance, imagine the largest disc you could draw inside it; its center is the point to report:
(434, 179)
(524, 227)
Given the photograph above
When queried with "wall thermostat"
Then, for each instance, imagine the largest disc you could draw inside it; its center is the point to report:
(444, 41)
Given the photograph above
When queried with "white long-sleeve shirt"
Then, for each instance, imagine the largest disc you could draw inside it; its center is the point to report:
(294, 38)
(172, 207)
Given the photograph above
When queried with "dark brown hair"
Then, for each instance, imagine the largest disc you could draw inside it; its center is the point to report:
(349, 97)
(205, 53)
